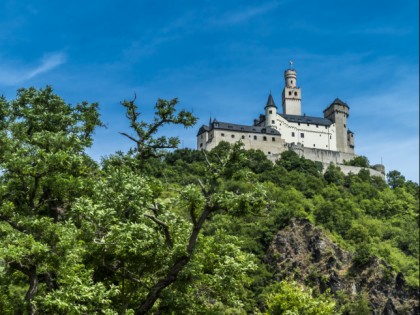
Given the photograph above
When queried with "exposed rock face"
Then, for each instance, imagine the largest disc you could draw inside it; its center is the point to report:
(303, 252)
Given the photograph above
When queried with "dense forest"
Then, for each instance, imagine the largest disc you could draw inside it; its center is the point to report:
(180, 231)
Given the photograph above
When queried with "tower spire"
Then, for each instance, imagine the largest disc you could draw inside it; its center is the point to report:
(270, 101)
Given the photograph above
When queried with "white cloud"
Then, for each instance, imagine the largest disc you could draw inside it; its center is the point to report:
(15, 74)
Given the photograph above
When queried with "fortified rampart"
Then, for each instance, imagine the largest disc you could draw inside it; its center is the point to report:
(320, 155)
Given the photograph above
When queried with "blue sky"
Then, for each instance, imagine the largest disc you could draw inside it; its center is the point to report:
(222, 58)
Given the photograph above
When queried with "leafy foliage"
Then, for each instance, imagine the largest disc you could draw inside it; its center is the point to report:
(151, 231)
(291, 299)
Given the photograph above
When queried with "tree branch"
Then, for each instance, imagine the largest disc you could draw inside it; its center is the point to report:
(165, 229)
(176, 268)
(129, 137)
(203, 189)
(12, 224)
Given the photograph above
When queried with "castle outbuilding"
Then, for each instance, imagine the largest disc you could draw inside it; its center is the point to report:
(325, 139)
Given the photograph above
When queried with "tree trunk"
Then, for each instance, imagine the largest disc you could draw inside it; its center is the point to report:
(33, 288)
(176, 268)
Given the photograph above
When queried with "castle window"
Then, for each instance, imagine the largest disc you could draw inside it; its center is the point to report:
(201, 136)
(274, 139)
(233, 136)
(314, 145)
(255, 137)
(243, 137)
(330, 137)
(270, 111)
(308, 125)
(222, 134)
(290, 92)
(272, 121)
(302, 135)
(201, 145)
(326, 127)
(295, 93)
(293, 134)
(265, 138)
(298, 123)
(269, 152)
(345, 126)
(317, 126)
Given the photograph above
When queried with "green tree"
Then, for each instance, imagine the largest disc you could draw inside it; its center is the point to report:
(163, 232)
(333, 175)
(395, 179)
(147, 144)
(361, 161)
(292, 299)
(358, 307)
(44, 169)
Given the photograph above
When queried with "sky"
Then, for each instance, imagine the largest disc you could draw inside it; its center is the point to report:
(222, 59)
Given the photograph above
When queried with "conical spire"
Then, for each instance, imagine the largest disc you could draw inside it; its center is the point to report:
(270, 102)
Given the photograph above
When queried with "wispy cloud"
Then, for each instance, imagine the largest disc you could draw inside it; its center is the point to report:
(244, 14)
(14, 74)
(365, 30)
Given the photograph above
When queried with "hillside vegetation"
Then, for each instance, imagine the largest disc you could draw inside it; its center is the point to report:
(181, 232)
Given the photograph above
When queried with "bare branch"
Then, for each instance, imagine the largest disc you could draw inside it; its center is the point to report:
(164, 227)
(205, 156)
(155, 208)
(203, 189)
(129, 137)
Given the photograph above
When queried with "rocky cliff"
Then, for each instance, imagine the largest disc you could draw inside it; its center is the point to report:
(304, 253)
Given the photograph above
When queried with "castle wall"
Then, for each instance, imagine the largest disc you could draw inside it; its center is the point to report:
(347, 169)
(324, 156)
(267, 143)
(314, 136)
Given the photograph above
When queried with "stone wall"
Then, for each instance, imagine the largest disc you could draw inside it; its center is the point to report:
(347, 169)
(324, 156)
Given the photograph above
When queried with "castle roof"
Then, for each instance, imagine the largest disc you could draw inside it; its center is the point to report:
(307, 120)
(337, 101)
(240, 128)
(270, 102)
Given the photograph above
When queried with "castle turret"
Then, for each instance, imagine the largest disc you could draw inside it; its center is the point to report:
(338, 112)
(291, 97)
(270, 112)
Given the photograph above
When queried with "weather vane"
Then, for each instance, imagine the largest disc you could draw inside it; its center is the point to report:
(291, 63)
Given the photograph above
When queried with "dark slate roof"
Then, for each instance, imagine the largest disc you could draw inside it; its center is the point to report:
(202, 129)
(240, 128)
(270, 102)
(339, 102)
(307, 120)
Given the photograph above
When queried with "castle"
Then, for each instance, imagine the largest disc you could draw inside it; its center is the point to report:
(325, 139)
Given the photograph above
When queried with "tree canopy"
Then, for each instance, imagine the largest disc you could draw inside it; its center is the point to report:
(151, 231)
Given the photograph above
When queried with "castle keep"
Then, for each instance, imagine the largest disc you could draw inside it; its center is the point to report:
(325, 139)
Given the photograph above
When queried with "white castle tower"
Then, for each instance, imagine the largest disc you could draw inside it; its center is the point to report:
(291, 97)
(270, 112)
